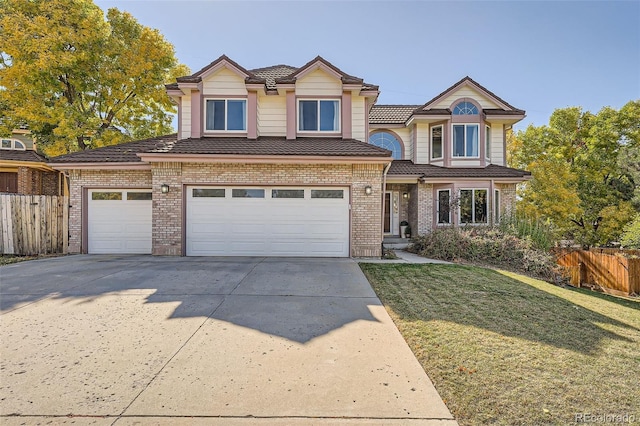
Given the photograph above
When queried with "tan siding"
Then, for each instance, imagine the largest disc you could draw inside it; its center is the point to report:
(405, 135)
(272, 116)
(358, 118)
(497, 147)
(186, 117)
(319, 83)
(465, 92)
(224, 83)
(422, 154)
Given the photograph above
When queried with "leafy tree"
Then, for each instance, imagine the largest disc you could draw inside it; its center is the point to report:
(631, 235)
(79, 80)
(585, 172)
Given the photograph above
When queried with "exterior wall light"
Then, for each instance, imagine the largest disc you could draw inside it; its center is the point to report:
(164, 188)
(368, 190)
(405, 195)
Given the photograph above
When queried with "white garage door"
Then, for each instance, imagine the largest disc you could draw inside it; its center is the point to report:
(265, 221)
(119, 221)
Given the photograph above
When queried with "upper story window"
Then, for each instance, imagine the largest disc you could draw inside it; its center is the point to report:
(465, 140)
(465, 108)
(388, 141)
(12, 144)
(226, 115)
(436, 142)
(487, 141)
(319, 115)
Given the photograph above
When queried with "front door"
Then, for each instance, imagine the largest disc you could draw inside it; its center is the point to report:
(391, 212)
(387, 213)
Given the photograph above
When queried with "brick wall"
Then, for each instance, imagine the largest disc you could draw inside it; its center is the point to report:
(97, 179)
(37, 182)
(366, 210)
(507, 198)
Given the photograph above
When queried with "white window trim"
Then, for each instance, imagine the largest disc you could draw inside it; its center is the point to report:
(465, 140)
(338, 130)
(473, 204)
(438, 208)
(226, 115)
(14, 143)
(487, 142)
(442, 142)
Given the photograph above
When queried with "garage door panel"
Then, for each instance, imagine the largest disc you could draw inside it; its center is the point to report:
(268, 226)
(119, 226)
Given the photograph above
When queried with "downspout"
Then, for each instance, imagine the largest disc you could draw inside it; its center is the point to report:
(384, 186)
(493, 200)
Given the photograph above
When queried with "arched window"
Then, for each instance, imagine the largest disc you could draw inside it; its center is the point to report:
(465, 108)
(388, 141)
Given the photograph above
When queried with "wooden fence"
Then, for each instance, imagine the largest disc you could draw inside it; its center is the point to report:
(33, 224)
(615, 271)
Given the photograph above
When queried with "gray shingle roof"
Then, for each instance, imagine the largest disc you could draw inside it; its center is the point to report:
(121, 153)
(407, 167)
(273, 72)
(16, 155)
(391, 114)
(329, 147)
(127, 152)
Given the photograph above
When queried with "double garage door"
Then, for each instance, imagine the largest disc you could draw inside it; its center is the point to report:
(228, 221)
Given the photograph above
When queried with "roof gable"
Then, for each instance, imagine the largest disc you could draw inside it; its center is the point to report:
(222, 62)
(319, 63)
(463, 88)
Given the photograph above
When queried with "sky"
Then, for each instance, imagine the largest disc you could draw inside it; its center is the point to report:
(536, 55)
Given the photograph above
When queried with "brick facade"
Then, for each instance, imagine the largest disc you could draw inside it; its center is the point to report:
(37, 182)
(167, 232)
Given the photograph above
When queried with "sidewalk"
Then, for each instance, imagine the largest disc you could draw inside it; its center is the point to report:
(404, 257)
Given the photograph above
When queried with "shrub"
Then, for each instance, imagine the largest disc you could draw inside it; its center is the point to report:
(486, 245)
(538, 233)
(631, 234)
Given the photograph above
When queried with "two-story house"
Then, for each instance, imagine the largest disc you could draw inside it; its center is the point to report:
(288, 161)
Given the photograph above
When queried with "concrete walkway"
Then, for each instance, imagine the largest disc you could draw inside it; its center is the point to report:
(405, 257)
(130, 340)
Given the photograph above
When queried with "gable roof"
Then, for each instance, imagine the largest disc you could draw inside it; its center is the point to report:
(469, 81)
(426, 171)
(346, 78)
(263, 146)
(197, 76)
(270, 74)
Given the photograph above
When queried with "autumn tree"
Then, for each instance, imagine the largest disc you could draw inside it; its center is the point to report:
(584, 169)
(79, 79)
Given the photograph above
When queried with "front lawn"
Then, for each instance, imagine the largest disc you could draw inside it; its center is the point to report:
(502, 348)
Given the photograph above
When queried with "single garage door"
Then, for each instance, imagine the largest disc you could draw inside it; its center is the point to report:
(266, 221)
(119, 221)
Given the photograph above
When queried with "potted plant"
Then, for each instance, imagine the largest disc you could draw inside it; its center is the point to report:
(403, 228)
(407, 232)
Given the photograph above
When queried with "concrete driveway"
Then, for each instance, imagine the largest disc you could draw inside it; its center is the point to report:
(161, 340)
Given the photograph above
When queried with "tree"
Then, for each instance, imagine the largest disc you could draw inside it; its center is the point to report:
(79, 80)
(584, 169)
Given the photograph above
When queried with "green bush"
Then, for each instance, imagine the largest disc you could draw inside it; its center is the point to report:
(631, 235)
(488, 245)
(538, 233)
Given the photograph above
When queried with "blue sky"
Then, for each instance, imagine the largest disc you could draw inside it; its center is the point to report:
(536, 55)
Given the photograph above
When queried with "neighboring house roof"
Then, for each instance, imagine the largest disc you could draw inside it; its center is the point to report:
(17, 155)
(127, 152)
(121, 153)
(391, 114)
(426, 171)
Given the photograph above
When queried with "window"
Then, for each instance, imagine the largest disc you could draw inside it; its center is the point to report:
(388, 141)
(319, 115)
(6, 143)
(465, 140)
(106, 196)
(496, 206)
(287, 193)
(327, 193)
(208, 192)
(139, 196)
(12, 144)
(247, 193)
(465, 108)
(444, 206)
(226, 115)
(487, 140)
(436, 142)
(473, 206)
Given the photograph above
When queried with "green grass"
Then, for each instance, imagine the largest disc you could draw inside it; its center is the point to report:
(506, 349)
